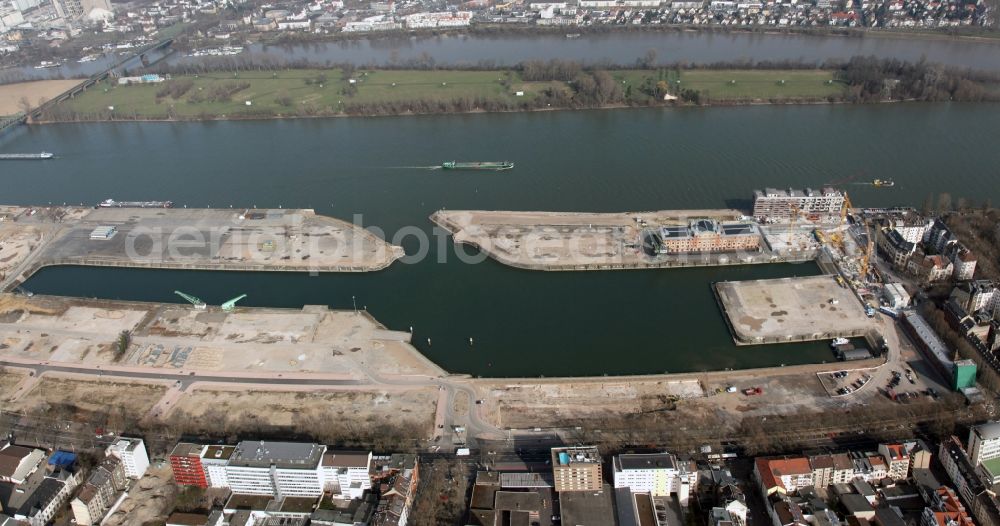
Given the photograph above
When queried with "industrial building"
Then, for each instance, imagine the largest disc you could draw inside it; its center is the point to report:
(576, 469)
(959, 374)
(705, 235)
(778, 205)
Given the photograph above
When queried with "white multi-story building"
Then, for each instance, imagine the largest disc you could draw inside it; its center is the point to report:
(659, 474)
(281, 469)
(897, 459)
(346, 473)
(213, 461)
(132, 451)
(984, 443)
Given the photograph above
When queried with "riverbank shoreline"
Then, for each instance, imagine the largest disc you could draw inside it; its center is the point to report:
(499, 31)
(608, 107)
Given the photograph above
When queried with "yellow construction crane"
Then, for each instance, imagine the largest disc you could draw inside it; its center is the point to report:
(847, 207)
(866, 260)
(791, 223)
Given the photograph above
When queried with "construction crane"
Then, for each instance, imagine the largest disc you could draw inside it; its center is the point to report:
(791, 223)
(847, 207)
(198, 304)
(866, 260)
(230, 305)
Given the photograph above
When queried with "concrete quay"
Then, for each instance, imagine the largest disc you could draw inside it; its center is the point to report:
(792, 310)
(184, 238)
(572, 241)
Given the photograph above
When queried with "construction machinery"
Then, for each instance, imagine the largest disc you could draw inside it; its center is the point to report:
(230, 305)
(791, 223)
(866, 260)
(847, 208)
(198, 304)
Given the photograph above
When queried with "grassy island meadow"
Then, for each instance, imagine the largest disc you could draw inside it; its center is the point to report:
(306, 92)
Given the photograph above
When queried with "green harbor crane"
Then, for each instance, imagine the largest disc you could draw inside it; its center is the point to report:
(198, 304)
(230, 305)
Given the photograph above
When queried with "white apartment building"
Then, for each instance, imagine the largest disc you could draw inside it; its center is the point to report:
(281, 469)
(132, 451)
(659, 474)
(346, 473)
(984, 443)
(213, 461)
(898, 460)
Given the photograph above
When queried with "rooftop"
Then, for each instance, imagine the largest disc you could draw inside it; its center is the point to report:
(218, 452)
(645, 461)
(187, 449)
(987, 431)
(286, 455)
(587, 508)
(187, 519)
(526, 480)
(347, 459)
(567, 456)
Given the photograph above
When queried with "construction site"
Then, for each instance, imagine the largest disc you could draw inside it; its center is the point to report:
(182, 238)
(563, 241)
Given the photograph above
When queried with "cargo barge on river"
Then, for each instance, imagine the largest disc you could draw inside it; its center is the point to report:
(495, 166)
(25, 156)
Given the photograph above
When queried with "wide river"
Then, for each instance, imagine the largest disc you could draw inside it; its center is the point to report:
(523, 323)
(696, 47)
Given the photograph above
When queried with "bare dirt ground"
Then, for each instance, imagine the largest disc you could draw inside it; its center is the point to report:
(36, 92)
(240, 410)
(553, 403)
(8, 379)
(134, 399)
(15, 245)
(148, 499)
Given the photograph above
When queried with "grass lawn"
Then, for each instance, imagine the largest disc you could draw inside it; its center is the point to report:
(311, 91)
(749, 84)
(267, 87)
(777, 84)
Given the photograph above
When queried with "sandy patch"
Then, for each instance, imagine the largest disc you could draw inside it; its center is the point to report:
(11, 94)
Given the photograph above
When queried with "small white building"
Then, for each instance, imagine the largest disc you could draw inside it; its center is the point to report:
(346, 473)
(895, 295)
(132, 452)
(213, 461)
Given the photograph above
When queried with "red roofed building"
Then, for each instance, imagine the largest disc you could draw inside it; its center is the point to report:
(782, 475)
(185, 461)
(946, 510)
